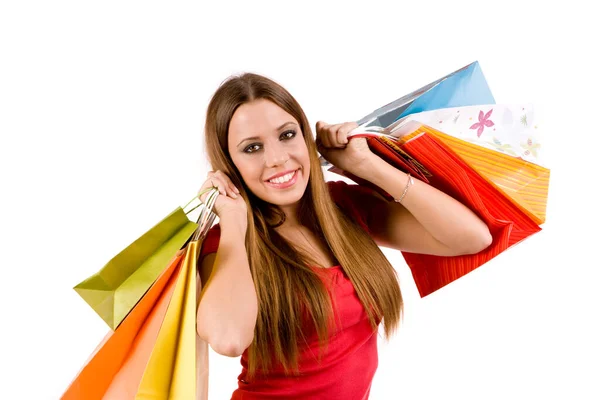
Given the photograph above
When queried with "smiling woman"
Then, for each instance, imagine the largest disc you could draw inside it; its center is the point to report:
(296, 285)
(294, 279)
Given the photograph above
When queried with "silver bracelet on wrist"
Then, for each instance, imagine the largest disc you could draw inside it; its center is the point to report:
(409, 183)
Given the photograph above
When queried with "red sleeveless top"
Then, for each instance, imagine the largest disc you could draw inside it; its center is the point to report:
(349, 363)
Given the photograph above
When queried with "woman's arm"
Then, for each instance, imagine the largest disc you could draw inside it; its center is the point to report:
(428, 221)
(227, 309)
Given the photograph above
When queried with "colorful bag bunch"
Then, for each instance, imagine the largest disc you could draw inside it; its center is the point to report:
(147, 295)
(452, 135)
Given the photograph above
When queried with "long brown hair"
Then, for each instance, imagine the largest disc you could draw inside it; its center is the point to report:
(288, 291)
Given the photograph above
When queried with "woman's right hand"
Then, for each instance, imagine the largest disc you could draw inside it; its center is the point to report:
(229, 201)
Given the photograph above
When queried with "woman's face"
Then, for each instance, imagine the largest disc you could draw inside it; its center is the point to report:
(268, 148)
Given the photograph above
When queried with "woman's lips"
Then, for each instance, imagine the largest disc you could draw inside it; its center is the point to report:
(284, 185)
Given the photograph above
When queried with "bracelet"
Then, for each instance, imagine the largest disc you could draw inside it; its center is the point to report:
(409, 183)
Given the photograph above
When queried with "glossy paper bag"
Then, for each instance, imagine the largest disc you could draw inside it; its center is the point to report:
(508, 224)
(448, 172)
(463, 87)
(115, 368)
(114, 290)
(171, 370)
(502, 143)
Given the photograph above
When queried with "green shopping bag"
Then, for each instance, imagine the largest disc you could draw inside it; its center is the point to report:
(114, 290)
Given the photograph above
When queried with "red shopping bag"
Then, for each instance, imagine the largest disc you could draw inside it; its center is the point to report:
(427, 158)
(508, 224)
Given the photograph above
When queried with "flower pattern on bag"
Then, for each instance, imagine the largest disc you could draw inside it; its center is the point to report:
(530, 147)
(483, 122)
(513, 130)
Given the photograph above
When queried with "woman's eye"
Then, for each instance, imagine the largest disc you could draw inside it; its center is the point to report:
(252, 148)
(288, 134)
(256, 146)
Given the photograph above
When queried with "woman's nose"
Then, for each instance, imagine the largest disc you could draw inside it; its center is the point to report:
(275, 155)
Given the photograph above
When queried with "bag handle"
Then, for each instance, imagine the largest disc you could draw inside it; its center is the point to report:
(198, 197)
(206, 217)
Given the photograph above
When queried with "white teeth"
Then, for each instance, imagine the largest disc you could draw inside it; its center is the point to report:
(282, 179)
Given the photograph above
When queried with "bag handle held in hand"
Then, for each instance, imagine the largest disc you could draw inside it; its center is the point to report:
(206, 217)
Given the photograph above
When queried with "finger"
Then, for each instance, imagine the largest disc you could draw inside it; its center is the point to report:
(333, 136)
(333, 128)
(349, 127)
(229, 186)
(214, 181)
(220, 184)
(208, 184)
(341, 136)
(230, 189)
(321, 125)
(342, 133)
(327, 135)
(225, 186)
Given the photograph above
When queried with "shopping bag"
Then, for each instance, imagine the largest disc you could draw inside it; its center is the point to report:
(463, 87)
(202, 353)
(114, 290)
(126, 381)
(511, 129)
(502, 143)
(115, 368)
(525, 183)
(448, 172)
(128, 364)
(172, 372)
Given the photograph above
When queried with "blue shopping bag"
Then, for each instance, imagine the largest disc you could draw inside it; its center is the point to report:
(464, 87)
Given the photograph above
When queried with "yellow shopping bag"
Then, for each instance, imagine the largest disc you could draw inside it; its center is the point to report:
(172, 371)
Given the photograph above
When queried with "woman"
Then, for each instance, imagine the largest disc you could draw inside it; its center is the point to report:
(293, 278)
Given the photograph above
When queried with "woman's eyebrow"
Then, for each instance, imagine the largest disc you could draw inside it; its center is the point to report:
(258, 137)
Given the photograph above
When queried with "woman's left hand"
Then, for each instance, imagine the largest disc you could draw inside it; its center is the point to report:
(351, 155)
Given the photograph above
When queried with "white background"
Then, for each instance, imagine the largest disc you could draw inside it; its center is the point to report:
(101, 115)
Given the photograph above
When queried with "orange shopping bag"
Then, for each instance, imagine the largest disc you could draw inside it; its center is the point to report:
(501, 142)
(135, 336)
(153, 353)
